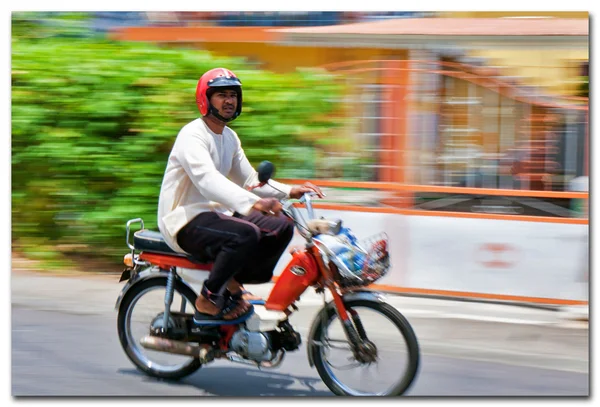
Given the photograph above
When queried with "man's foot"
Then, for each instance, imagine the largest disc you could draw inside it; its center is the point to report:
(232, 308)
(237, 288)
(207, 308)
(202, 316)
(242, 305)
(206, 319)
(239, 293)
(248, 296)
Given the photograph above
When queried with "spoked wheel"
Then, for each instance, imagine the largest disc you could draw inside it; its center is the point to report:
(139, 313)
(387, 361)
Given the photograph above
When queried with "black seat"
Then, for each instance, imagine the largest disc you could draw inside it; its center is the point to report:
(150, 241)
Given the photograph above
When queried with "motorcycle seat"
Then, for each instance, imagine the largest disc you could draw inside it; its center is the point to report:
(150, 241)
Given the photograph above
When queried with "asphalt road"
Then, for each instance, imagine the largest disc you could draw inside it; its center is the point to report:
(61, 350)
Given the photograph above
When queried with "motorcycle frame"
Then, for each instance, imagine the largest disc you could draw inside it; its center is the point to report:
(165, 263)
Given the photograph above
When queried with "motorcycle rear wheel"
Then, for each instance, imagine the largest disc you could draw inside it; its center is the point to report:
(143, 358)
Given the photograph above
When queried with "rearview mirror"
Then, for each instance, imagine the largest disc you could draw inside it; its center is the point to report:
(266, 169)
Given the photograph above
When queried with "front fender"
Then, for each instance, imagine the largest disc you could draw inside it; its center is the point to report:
(146, 274)
(364, 295)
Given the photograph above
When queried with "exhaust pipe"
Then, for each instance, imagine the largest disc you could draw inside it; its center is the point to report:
(202, 352)
(205, 353)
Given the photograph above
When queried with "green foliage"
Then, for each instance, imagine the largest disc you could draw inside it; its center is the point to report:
(93, 122)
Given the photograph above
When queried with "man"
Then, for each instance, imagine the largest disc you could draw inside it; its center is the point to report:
(206, 208)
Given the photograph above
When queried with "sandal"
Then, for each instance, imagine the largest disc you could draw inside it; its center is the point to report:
(226, 303)
(243, 295)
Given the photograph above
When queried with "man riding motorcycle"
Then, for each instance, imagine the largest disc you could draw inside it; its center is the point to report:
(205, 207)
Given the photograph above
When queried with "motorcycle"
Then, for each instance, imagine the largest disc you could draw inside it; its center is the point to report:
(156, 308)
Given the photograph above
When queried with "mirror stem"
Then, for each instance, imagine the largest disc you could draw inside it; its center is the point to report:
(269, 184)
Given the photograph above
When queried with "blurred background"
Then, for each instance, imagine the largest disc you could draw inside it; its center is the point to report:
(469, 112)
(464, 136)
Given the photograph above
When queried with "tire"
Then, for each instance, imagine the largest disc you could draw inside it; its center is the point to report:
(135, 292)
(324, 319)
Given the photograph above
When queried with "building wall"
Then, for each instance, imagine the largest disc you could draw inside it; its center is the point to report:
(499, 14)
(557, 72)
(278, 58)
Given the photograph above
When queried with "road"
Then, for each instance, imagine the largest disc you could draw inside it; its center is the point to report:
(64, 343)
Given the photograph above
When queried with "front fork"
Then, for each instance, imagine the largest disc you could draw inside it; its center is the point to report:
(358, 325)
(363, 349)
(353, 327)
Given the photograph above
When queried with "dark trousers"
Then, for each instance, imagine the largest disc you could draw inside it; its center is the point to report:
(246, 248)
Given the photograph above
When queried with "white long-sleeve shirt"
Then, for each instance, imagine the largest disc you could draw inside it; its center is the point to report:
(207, 172)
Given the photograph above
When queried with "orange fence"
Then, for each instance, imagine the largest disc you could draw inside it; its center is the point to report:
(445, 128)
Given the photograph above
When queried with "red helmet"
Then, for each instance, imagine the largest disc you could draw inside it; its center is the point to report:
(217, 78)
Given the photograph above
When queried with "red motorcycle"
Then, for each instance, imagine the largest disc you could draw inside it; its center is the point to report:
(359, 344)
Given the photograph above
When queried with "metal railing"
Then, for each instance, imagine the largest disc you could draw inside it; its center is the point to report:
(467, 136)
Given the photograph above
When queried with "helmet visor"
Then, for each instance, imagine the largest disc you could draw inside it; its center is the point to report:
(221, 81)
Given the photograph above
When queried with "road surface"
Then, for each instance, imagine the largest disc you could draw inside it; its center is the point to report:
(64, 343)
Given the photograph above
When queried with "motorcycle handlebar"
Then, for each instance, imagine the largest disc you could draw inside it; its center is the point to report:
(289, 211)
(307, 200)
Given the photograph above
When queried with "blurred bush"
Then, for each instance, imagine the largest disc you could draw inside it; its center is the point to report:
(93, 122)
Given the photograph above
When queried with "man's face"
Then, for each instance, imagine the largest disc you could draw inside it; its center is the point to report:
(225, 101)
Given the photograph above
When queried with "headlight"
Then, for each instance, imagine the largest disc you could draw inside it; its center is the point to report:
(324, 226)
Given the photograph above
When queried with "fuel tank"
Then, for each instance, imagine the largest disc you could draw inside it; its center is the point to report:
(301, 272)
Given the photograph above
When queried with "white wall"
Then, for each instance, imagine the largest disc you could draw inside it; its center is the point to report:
(531, 259)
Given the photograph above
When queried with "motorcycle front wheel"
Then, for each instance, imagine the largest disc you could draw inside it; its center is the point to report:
(388, 362)
(142, 307)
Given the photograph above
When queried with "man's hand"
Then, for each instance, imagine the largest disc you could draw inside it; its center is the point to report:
(298, 191)
(268, 206)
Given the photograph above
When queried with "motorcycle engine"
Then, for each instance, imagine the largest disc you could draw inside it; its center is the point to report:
(252, 345)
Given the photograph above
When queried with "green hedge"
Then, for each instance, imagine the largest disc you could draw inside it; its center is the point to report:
(93, 122)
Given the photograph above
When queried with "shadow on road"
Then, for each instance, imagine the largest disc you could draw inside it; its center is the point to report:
(247, 382)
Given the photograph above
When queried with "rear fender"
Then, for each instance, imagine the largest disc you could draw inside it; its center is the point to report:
(146, 274)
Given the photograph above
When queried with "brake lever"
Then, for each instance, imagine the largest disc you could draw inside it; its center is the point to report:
(308, 195)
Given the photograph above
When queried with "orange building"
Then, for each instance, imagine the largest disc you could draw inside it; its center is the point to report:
(473, 102)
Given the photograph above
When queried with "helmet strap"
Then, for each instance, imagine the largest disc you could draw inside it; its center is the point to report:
(212, 110)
